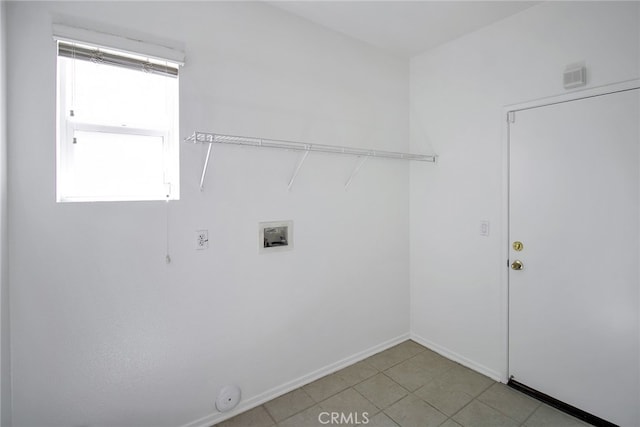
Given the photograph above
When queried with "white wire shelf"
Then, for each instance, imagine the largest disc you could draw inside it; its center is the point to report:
(204, 137)
(215, 138)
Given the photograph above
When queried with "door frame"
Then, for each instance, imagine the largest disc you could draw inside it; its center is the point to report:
(506, 110)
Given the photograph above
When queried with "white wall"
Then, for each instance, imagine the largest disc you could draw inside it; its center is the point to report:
(458, 302)
(5, 351)
(103, 332)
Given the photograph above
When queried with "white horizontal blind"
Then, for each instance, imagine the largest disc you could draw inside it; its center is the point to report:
(101, 56)
(152, 51)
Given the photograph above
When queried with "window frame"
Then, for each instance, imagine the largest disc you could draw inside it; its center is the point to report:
(68, 125)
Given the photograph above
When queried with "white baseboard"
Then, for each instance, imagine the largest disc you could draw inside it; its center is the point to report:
(268, 395)
(452, 355)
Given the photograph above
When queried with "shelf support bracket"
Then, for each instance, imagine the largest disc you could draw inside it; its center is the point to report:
(295, 173)
(204, 168)
(355, 172)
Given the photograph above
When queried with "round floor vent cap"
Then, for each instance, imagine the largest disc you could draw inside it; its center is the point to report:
(228, 398)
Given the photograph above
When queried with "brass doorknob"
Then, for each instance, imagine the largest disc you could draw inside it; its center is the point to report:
(517, 265)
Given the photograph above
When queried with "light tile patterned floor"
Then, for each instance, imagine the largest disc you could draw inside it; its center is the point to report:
(405, 386)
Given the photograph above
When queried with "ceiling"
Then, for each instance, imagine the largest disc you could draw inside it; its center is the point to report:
(404, 28)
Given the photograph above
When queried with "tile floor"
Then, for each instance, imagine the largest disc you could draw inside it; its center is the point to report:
(404, 386)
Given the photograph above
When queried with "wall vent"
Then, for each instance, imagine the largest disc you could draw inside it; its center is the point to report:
(575, 77)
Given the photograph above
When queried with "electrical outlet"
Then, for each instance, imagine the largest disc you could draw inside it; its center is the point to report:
(202, 239)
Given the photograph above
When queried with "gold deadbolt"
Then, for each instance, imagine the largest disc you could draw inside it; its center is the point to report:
(517, 246)
(517, 265)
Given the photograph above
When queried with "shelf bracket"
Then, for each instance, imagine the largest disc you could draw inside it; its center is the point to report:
(355, 171)
(204, 168)
(295, 173)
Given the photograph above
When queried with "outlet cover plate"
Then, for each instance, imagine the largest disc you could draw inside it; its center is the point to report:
(202, 239)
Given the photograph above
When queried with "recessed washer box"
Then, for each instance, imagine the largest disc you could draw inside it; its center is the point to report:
(275, 236)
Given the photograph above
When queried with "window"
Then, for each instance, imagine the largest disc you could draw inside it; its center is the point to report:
(117, 126)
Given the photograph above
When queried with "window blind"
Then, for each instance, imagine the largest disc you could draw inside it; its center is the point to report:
(102, 56)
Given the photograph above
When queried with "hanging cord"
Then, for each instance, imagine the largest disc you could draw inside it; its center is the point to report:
(73, 88)
(166, 218)
(165, 166)
(73, 79)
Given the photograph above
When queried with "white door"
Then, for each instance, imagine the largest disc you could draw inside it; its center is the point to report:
(574, 205)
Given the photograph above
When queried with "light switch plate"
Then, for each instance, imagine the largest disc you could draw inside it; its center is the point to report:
(484, 228)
